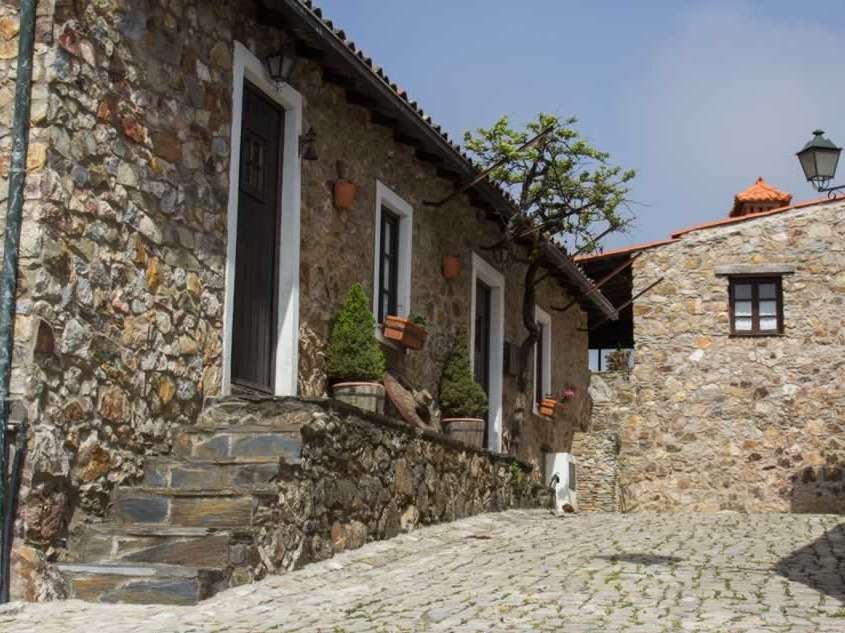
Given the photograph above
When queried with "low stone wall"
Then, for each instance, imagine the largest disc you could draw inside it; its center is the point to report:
(598, 471)
(367, 477)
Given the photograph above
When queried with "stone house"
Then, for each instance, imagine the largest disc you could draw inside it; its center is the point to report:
(147, 294)
(735, 400)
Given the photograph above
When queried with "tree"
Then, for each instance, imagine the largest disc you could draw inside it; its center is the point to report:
(353, 351)
(566, 194)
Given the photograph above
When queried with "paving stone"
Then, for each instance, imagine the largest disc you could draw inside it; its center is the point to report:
(637, 573)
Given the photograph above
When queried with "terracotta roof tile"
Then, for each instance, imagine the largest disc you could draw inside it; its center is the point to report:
(760, 192)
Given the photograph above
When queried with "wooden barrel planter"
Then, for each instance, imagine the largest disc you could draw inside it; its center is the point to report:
(367, 396)
(470, 431)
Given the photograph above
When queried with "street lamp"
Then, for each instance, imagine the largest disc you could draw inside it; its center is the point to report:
(819, 159)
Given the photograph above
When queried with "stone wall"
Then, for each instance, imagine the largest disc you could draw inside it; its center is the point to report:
(119, 328)
(597, 471)
(366, 478)
(732, 423)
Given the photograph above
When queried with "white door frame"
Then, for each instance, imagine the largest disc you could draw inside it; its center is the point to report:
(248, 66)
(496, 281)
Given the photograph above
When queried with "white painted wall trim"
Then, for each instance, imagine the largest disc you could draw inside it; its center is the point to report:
(386, 197)
(496, 281)
(541, 316)
(248, 67)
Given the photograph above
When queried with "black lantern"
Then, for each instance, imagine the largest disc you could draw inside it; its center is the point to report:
(819, 159)
(280, 64)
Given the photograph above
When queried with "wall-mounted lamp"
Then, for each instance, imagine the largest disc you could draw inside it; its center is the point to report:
(819, 159)
(281, 63)
(307, 145)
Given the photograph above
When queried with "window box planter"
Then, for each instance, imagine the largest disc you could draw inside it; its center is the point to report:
(469, 431)
(402, 331)
(547, 407)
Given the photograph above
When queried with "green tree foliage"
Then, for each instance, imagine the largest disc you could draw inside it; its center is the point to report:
(567, 194)
(460, 395)
(354, 353)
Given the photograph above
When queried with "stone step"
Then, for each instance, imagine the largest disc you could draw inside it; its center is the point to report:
(163, 472)
(221, 508)
(195, 547)
(225, 443)
(135, 583)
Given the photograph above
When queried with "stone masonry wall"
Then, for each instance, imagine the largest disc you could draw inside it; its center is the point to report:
(597, 471)
(731, 423)
(120, 309)
(366, 478)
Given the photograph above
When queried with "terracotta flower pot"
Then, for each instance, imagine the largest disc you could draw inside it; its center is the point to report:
(344, 194)
(367, 396)
(547, 407)
(404, 332)
(470, 431)
(451, 267)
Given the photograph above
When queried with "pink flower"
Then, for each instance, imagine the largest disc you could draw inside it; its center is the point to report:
(568, 393)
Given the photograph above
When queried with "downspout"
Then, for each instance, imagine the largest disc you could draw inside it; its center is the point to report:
(9, 274)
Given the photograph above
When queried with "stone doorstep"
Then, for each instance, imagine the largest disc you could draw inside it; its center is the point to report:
(196, 547)
(165, 472)
(139, 583)
(233, 442)
(187, 508)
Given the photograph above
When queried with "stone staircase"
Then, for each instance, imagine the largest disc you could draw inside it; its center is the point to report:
(187, 531)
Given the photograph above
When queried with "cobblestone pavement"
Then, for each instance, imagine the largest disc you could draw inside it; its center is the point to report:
(527, 571)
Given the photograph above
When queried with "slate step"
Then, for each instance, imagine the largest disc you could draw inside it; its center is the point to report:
(191, 546)
(225, 443)
(163, 472)
(221, 508)
(140, 583)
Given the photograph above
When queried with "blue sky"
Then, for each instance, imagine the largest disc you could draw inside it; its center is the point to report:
(700, 98)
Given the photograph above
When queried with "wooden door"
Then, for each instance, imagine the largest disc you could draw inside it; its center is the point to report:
(254, 320)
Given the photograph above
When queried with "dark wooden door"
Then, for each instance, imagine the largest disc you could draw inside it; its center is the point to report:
(481, 346)
(256, 251)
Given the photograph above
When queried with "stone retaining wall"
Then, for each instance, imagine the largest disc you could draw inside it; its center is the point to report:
(366, 477)
(597, 470)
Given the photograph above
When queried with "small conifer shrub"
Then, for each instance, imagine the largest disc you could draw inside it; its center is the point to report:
(460, 395)
(354, 353)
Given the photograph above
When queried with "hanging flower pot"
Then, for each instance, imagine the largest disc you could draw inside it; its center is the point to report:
(451, 267)
(344, 194)
(405, 332)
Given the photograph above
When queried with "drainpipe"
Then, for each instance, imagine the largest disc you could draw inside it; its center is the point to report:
(9, 273)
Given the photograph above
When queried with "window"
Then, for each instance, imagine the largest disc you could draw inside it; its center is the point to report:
(756, 305)
(392, 270)
(542, 357)
(388, 287)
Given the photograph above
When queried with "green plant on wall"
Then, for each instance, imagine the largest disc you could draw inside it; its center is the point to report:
(460, 395)
(354, 353)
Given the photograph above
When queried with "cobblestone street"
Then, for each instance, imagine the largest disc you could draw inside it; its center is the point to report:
(527, 571)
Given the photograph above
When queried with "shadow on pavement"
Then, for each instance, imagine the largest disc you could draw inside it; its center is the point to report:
(820, 565)
(641, 559)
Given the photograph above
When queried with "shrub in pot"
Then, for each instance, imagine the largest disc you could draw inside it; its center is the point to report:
(355, 360)
(462, 400)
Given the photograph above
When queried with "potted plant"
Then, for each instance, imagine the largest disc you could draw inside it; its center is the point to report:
(410, 333)
(355, 361)
(549, 403)
(344, 189)
(462, 400)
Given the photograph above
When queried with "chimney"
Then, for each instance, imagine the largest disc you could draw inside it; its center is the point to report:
(759, 197)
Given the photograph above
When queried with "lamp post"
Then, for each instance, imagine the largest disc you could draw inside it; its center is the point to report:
(819, 159)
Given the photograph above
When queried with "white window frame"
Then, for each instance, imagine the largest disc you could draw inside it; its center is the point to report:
(541, 316)
(247, 66)
(496, 281)
(386, 197)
